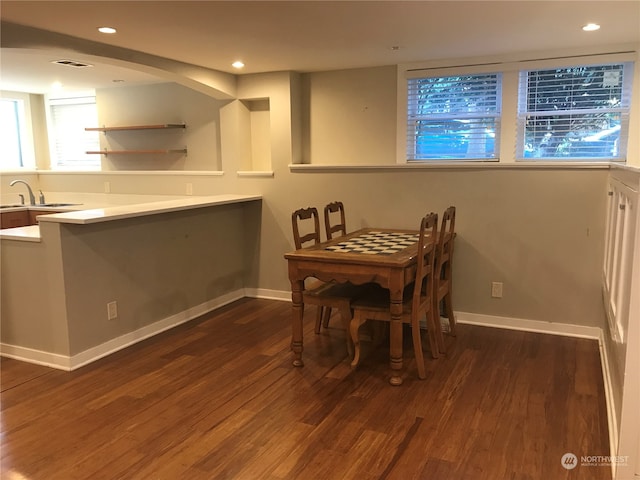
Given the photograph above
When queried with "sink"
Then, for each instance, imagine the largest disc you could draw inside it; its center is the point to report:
(18, 205)
(55, 204)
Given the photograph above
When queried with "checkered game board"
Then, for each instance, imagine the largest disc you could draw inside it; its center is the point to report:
(376, 243)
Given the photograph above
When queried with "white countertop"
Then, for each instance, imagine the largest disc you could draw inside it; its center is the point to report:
(119, 212)
(29, 233)
(89, 214)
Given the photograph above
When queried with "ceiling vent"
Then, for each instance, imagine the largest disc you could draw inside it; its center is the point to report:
(71, 63)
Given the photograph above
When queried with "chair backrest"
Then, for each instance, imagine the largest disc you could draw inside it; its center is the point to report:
(334, 209)
(298, 221)
(423, 287)
(444, 251)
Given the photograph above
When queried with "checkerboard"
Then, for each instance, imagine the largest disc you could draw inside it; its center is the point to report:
(376, 243)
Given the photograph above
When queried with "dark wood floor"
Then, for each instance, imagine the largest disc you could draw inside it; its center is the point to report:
(217, 398)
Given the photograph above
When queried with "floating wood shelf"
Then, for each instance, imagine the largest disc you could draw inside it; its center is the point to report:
(135, 152)
(162, 126)
(136, 127)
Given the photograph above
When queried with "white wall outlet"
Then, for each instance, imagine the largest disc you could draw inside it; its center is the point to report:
(189, 188)
(112, 310)
(496, 289)
(107, 187)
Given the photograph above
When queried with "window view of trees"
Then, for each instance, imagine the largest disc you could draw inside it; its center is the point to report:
(454, 117)
(575, 112)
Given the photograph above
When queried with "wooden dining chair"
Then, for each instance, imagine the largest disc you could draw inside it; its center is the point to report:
(331, 211)
(417, 299)
(326, 295)
(443, 269)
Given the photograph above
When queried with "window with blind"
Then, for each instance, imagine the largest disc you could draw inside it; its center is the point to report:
(454, 118)
(69, 140)
(16, 136)
(574, 113)
(11, 136)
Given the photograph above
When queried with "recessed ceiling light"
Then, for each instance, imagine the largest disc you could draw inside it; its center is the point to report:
(106, 30)
(56, 86)
(237, 64)
(591, 27)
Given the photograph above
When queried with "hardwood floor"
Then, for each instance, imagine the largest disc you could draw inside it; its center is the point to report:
(217, 398)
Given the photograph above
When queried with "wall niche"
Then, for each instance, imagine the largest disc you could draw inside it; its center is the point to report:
(246, 135)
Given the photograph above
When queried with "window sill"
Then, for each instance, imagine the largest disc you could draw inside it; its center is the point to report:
(307, 167)
(255, 173)
(212, 173)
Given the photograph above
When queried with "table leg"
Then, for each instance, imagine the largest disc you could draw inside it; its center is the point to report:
(346, 314)
(297, 312)
(395, 337)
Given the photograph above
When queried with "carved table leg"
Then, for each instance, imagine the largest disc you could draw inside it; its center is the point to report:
(395, 337)
(297, 312)
(346, 314)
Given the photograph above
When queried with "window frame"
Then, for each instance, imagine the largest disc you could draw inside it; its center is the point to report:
(510, 69)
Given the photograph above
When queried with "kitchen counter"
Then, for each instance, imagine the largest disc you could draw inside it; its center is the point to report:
(89, 213)
(30, 233)
(159, 260)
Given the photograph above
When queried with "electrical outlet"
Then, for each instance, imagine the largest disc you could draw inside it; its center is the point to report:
(112, 310)
(496, 289)
(107, 187)
(189, 188)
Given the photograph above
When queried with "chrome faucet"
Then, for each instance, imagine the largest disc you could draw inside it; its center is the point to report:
(32, 198)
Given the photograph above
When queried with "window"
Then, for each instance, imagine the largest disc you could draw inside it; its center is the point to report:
(574, 113)
(15, 135)
(69, 140)
(10, 132)
(456, 117)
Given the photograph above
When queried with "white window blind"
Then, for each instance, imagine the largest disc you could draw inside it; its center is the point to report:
(574, 113)
(11, 133)
(69, 117)
(455, 117)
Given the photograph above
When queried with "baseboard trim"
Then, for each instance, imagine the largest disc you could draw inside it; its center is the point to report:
(38, 357)
(612, 417)
(535, 326)
(265, 293)
(62, 362)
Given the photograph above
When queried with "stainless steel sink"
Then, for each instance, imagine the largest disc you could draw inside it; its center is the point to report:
(55, 205)
(39, 205)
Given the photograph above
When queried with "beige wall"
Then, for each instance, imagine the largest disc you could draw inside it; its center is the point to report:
(154, 268)
(33, 310)
(538, 232)
(349, 117)
(160, 104)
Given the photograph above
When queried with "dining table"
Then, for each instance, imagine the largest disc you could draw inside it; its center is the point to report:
(385, 256)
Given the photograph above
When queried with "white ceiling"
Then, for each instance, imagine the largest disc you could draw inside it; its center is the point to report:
(306, 36)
